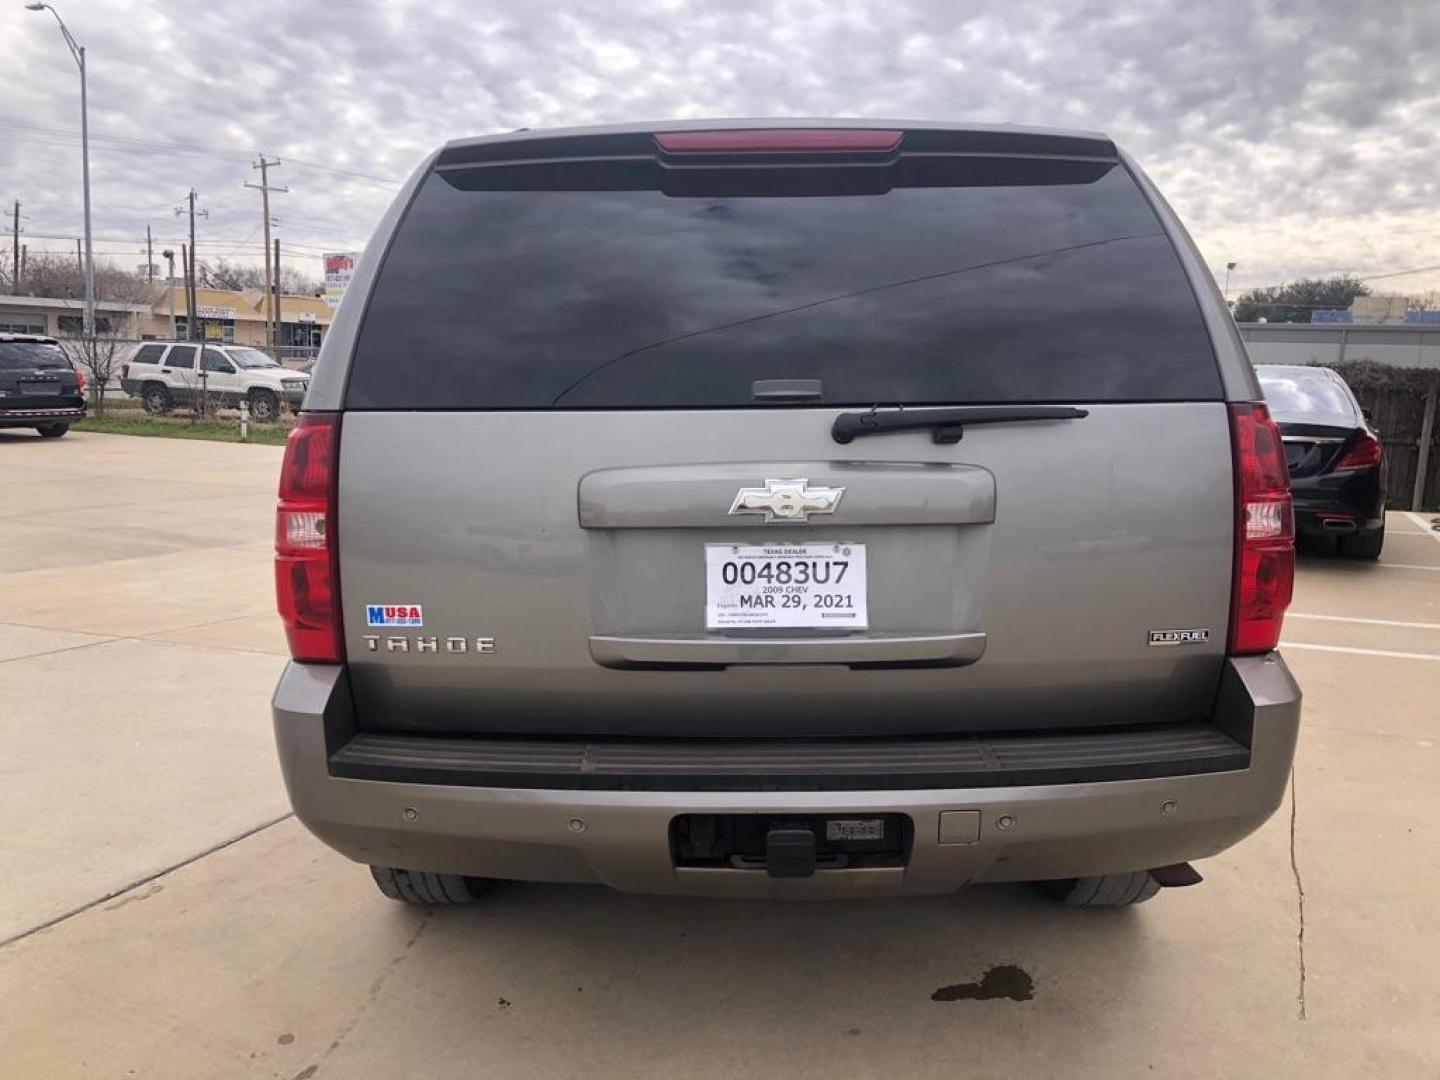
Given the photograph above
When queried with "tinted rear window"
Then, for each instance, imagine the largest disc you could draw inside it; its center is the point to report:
(621, 285)
(31, 356)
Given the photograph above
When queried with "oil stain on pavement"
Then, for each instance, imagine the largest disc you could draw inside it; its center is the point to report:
(1004, 981)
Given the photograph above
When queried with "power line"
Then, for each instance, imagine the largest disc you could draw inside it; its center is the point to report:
(1402, 273)
(152, 144)
(311, 230)
(1365, 277)
(229, 242)
(351, 173)
(130, 144)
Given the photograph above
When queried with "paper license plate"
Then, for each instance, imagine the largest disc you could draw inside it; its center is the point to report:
(855, 829)
(785, 585)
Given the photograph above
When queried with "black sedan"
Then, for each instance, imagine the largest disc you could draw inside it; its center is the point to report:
(39, 387)
(1335, 459)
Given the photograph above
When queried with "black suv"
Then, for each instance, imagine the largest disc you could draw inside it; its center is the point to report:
(39, 387)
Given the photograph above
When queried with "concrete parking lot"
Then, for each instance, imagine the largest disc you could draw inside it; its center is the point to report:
(163, 916)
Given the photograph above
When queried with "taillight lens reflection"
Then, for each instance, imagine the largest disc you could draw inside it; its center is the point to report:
(1364, 454)
(306, 553)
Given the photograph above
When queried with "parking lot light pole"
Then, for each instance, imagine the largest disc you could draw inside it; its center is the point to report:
(78, 52)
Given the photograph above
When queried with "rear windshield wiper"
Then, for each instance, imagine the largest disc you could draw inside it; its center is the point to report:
(946, 425)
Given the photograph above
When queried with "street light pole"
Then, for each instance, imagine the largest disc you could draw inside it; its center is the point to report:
(78, 52)
(1228, 267)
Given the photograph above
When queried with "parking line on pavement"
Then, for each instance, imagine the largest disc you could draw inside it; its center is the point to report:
(1366, 622)
(1403, 566)
(1425, 527)
(1360, 652)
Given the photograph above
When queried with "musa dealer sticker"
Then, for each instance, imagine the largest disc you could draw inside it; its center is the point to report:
(393, 615)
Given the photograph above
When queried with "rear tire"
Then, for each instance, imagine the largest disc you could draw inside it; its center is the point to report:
(1365, 545)
(156, 399)
(52, 431)
(416, 887)
(1106, 890)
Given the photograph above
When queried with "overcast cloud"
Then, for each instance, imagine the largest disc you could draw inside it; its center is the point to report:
(1295, 139)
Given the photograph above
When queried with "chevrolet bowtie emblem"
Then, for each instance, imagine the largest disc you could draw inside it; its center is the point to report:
(787, 500)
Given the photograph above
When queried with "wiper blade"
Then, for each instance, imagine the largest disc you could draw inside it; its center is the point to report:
(946, 425)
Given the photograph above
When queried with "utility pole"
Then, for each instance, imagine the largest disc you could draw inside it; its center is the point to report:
(272, 332)
(277, 296)
(149, 258)
(15, 266)
(194, 260)
(1427, 441)
(192, 268)
(189, 296)
(169, 257)
(79, 259)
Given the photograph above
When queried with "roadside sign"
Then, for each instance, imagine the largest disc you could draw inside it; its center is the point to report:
(339, 266)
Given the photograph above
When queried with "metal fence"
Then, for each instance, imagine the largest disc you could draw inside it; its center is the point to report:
(1399, 345)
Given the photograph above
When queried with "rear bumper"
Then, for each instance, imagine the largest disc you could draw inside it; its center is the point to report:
(31, 417)
(621, 838)
(1338, 521)
(1339, 503)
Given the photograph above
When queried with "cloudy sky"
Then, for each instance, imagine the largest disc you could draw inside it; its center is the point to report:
(1293, 138)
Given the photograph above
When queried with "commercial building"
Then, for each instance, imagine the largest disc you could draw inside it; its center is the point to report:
(59, 317)
(232, 315)
(238, 316)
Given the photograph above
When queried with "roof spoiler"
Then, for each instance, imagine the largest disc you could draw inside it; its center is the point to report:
(749, 139)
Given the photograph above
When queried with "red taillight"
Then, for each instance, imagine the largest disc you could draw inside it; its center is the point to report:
(779, 141)
(1264, 532)
(1364, 454)
(307, 574)
(79, 381)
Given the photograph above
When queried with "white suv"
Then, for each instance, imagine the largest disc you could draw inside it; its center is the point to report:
(165, 374)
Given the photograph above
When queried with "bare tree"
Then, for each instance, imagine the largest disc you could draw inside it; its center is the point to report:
(98, 353)
(52, 274)
(224, 274)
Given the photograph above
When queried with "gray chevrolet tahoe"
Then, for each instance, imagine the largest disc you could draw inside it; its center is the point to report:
(784, 508)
